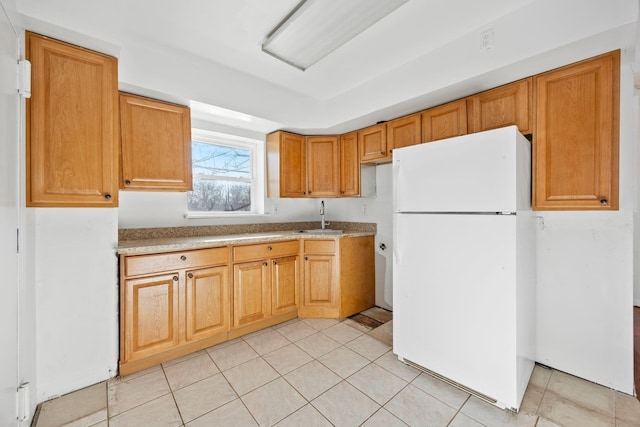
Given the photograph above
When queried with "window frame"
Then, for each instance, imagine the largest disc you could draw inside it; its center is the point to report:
(257, 153)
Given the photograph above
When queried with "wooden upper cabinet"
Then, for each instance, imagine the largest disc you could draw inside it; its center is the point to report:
(576, 136)
(444, 121)
(72, 126)
(323, 166)
(349, 165)
(506, 105)
(156, 145)
(404, 132)
(286, 165)
(373, 143)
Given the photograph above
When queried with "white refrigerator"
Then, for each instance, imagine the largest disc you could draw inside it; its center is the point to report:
(464, 262)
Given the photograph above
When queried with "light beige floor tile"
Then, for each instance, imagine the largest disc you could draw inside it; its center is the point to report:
(532, 399)
(203, 396)
(377, 383)
(189, 371)
(379, 314)
(442, 391)
(161, 412)
(83, 407)
(417, 408)
(307, 416)
(343, 361)
(296, 331)
(543, 422)
(383, 333)
(273, 402)
(567, 412)
(344, 405)
(129, 393)
(223, 344)
(383, 418)
(622, 423)
(183, 358)
(317, 344)
(267, 342)
(287, 358)
(491, 415)
(342, 333)
(258, 332)
(232, 414)
(312, 379)
(250, 375)
(287, 323)
(540, 376)
(627, 408)
(320, 324)
(461, 420)
(129, 377)
(390, 362)
(356, 325)
(583, 393)
(233, 355)
(368, 347)
(104, 423)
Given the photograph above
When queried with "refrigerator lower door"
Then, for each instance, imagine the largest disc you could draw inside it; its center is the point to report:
(454, 296)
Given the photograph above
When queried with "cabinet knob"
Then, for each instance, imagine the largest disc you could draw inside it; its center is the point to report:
(309, 192)
(603, 201)
(382, 152)
(190, 275)
(107, 196)
(265, 263)
(275, 263)
(341, 192)
(183, 258)
(175, 278)
(306, 258)
(127, 182)
(270, 248)
(304, 192)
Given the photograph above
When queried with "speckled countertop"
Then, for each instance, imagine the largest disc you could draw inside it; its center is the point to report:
(157, 240)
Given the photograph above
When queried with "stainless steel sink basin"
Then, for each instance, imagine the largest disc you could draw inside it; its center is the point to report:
(322, 231)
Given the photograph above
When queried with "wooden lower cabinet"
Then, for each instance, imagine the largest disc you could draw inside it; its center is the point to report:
(338, 277)
(251, 292)
(172, 304)
(285, 273)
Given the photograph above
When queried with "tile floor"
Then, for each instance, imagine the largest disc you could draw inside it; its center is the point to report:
(321, 372)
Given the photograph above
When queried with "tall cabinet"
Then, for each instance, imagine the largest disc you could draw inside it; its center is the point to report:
(72, 126)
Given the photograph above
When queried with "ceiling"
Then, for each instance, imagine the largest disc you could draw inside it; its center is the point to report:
(208, 53)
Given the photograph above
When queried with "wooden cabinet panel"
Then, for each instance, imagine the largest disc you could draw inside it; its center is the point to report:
(349, 165)
(576, 136)
(320, 281)
(445, 121)
(155, 144)
(251, 292)
(207, 302)
(293, 165)
(319, 246)
(284, 285)
(323, 163)
(506, 105)
(404, 132)
(373, 143)
(151, 315)
(156, 263)
(265, 250)
(72, 127)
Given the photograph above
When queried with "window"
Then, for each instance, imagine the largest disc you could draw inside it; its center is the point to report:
(226, 171)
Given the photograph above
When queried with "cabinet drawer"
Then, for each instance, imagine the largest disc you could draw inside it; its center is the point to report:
(319, 246)
(265, 250)
(146, 264)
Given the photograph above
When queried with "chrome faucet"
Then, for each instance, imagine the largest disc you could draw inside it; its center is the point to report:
(324, 223)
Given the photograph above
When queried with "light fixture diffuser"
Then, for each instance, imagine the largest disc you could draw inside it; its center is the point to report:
(315, 28)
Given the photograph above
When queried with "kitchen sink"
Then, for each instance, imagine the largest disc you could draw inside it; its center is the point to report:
(322, 231)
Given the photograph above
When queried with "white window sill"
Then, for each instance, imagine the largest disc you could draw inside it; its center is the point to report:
(203, 215)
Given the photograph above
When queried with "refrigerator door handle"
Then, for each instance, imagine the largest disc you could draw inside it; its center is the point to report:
(395, 175)
(396, 243)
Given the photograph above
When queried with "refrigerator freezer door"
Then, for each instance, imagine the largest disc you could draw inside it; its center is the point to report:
(454, 295)
(482, 172)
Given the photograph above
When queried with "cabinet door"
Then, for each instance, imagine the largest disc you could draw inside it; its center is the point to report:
(284, 285)
(207, 299)
(251, 292)
(293, 178)
(404, 132)
(156, 144)
(373, 143)
(503, 106)
(349, 165)
(320, 282)
(72, 127)
(445, 121)
(576, 136)
(323, 163)
(151, 315)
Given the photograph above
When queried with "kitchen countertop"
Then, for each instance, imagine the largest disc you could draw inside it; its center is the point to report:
(170, 244)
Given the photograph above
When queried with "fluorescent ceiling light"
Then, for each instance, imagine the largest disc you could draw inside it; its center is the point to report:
(315, 28)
